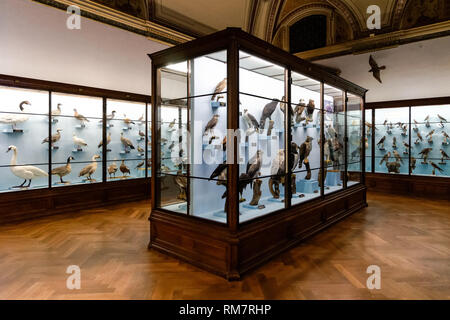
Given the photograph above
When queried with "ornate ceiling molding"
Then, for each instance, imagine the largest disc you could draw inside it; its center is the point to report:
(107, 15)
(348, 15)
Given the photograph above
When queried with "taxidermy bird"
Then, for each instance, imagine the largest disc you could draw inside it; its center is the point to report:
(444, 155)
(182, 184)
(126, 120)
(425, 152)
(298, 111)
(64, 170)
(140, 164)
(442, 118)
(375, 69)
(172, 124)
(381, 142)
(219, 88)
(78, 141)
(370, 127)
(139, 149)
(126, 142)
(385, 158)
(57, 112)
(415, 123)
(277, 172)
(294, 156)
(90, 169)
(224, 144)
(142, 134)
(419, 137)
(211, 124)
(217, 171)
(80, 117)
(165, 168)
(435, 166)
(406, 147)
(393, 167)
(427, 120)
(394, 142)
(305, 150)
(124, 169)
(430, 134)
(397, 156)
(172, 145)
(250, 120)
(446, 137)
(413, 164)
(112, 169)
(310, 110)
(14, 119)
(25, 172)
(253, 167)
(108, 140)
(267, 112)
(54, 138)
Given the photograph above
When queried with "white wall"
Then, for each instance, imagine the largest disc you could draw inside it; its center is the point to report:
(37, 44)
(416, 70)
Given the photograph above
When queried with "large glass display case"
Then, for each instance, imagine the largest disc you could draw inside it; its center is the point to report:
(245, 132)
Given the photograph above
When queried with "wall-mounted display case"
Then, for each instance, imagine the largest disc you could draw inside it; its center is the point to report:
(252, 149)
(60, 136)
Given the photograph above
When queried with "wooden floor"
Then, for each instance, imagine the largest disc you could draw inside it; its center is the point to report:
(408, 238)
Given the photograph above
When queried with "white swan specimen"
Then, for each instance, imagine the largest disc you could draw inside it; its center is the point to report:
(24, 172)
(78, 141)
(14, 119)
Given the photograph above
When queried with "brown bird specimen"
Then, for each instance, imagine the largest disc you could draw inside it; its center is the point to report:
(140, 164)
(142, 134)
(442, 118)
(435, 166)
(413, 164)
(181, 182)
(139, 149)
(425, 152)
(54, 138)
(298, 111)
(375, 69)
(256, 192)
(80, 117)
(124, 169)
(211, 124)
(219, 88)
(310, 110)
(90, 169)
(385, 158)
(381, 142)
(267, 112)
(444, 155)
(397, 156)
(224, 144)
(446, 137)
(419, 137)
(305, 150)
(112, 169)
(64, 170)
(108, 140)
(393, 167)
(126, 142)
(127, 120)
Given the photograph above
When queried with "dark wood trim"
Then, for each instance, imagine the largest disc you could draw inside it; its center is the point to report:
(408, 103)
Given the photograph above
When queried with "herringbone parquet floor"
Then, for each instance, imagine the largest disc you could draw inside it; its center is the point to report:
(408, 238)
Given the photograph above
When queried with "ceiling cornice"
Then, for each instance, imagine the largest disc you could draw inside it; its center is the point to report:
(107, 15)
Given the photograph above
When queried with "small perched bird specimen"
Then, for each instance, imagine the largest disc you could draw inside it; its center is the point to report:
(172, 124)
(224, 144)
(415, 125)
(127, 120)
(442, 118)
(140, 164)
(124, 169)
(413, 164)
(267, 112)
(172, 145)
(305, 150)
(407, 146)
(283, 106)
(219, 88)
(446, 137)
(14, 119)
(394, 142)
(425, 152)
(253, 167)
(141, 134)
(218, 170)
(385, 122)
(427, 120)
(444, 155)
(430, 136)
(25, 172)
(108, 140)
(277, 171)
(370, 127)
(79, 142)
(381, 142)
(112, 169)
(126, 142)
(54, 138)
(250, 120)
(310, 111)
(385, 158)
(435, 166)
(405, 129)
(393, 167)
(419, 137)
(57, 112)
(139, 149)
(181, 182)
(211, 124)
(64, 170)
(80, 117)
(90, 169)
(397, 156)
(165, 168)
(375, 69)
(298, 111)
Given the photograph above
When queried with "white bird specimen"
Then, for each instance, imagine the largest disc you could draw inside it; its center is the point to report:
(80, 117)
(78, 141)
(90, 169)
(57, 112)
(25, 172)
(14, 119)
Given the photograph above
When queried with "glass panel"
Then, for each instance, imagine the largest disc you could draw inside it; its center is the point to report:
(369, 129)
(355, 143)
(334, 157)
(305, 130)
(76, 158)
(430, 140)
(24, 132)
(392, 140)
(125, 131)
(261, 156)
(174, 83)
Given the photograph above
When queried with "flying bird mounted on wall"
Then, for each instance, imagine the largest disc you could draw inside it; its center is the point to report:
(375, 69)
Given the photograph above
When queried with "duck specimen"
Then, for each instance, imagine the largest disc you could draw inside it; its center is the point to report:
(111, 116)
(25, 172)
(80, 117)
(54, 138)
(211, 124)
(126, 142)
(267, 112)
(112, 169)
(250, 120)
(64, 170)
(108, 140)
(78, 141)
(124, 169)
(90, 169)
(219, 88)
(127, 121)
(14, 119)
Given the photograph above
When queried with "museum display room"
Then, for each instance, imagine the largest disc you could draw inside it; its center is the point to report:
(240, 170)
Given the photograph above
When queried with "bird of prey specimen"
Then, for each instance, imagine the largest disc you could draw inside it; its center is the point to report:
(425, 152)
(305, 149)
(310, 110)
(375, 69)
(419, 137)
(427, 120)
(250, 120)
(277, 171)
(298, 111)
(217, 171)
(413, 164)
(267, 112)
(219, 88)
(253, 167)
(446, 137)
(435, 166)
(293, 156)
(397, 156)
(381, 142)
(430, 134)
(211, 124)
(444, 155)
(385, 158)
